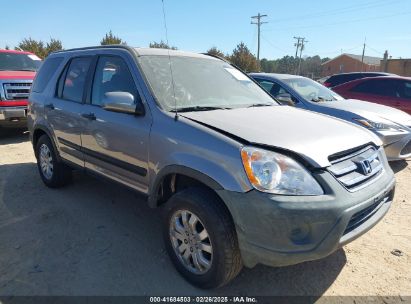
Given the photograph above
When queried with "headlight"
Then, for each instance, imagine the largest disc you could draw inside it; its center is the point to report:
(380, 126)
(276, 173)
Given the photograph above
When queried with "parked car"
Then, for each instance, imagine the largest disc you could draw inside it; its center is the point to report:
(337, 79)
(240, 179)
(391, 91)
(17, 71)
(392, 126)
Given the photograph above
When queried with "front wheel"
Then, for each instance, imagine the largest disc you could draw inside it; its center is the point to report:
(200, 238)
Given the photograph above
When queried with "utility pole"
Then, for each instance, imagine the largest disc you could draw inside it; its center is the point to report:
(297, 45)
(301, 51)
(385, 69)
(258, 23)
(362, 57)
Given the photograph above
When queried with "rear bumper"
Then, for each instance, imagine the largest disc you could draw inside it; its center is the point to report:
(279, 230)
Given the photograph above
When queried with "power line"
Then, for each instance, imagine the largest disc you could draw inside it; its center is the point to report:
(342, 22)
(339, 51)
(273, 45)
(258, 23)
(338, 11)
(372, 49)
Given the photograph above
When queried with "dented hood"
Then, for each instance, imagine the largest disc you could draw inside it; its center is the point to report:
(313, 136)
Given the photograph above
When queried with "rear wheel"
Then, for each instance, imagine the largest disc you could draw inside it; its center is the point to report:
(53, 172)
(200, 238)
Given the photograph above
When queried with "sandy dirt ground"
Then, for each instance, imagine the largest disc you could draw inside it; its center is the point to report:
(96, 238)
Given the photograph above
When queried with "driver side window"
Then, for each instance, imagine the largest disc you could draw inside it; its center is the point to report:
(277, 91)
(273, 88)
(112, 75)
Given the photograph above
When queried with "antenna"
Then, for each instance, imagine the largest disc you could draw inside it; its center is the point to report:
(169, 61)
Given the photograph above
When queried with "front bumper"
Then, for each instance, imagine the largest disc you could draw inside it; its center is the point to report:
(13, 114)
(278, 230)
(396, 146)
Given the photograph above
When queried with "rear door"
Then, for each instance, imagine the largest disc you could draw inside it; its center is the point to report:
(404, 92)
(64, 108)
(116, 144)
(382, 91)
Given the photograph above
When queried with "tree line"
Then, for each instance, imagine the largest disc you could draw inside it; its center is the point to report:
(244, 59)
(241, 56)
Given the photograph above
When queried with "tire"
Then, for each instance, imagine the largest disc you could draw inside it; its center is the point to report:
(59, 174)
(224, 261)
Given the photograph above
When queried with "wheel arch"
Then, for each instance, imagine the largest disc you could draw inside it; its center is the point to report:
(164, 184)
(37, 133)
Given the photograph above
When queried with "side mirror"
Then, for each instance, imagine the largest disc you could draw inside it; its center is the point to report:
(122, 102)
(285, 99)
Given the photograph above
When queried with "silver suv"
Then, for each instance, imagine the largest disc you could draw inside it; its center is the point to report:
(240, 179)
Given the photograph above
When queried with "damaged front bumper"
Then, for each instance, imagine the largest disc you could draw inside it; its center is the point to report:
(278, 230)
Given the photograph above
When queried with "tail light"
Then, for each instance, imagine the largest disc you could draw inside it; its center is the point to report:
(327, 84)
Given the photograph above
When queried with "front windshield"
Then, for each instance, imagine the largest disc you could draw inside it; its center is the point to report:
(200, 83)
(311, 90)
(19, 62)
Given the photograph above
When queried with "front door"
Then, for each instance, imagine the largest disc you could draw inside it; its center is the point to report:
(116, 144)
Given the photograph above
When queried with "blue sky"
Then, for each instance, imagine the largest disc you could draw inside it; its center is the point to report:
(330, 26)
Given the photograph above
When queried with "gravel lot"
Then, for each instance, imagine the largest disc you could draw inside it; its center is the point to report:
(95, 238)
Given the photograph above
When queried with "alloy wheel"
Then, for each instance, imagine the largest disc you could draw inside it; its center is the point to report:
(191, 241)
(46, 161)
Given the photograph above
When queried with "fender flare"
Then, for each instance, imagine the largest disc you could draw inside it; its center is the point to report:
(183, 170)
(48, 133)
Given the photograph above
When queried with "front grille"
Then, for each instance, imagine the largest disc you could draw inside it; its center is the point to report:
(18, 90)
(362, 216)
(407, 149)
(357, 168)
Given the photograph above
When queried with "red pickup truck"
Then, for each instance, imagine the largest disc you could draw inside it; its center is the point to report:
(17, 71)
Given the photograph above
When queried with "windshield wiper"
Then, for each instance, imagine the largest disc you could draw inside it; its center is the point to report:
(260, 105)
(198, 108)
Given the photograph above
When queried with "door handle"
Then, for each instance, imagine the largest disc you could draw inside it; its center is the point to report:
(49, 106)
(89, 116)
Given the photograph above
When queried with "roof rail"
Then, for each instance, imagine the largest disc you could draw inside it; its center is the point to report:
(110, 46)
(216, 56)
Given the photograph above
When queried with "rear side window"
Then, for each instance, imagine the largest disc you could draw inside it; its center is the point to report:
(45, 73)
(73, 79)
(340, 79)
(405, 90)
(377, 87)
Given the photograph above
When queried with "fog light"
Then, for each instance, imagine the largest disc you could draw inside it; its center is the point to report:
(300, 235)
